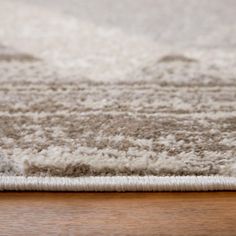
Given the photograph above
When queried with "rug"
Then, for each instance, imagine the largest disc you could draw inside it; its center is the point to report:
(90, 104)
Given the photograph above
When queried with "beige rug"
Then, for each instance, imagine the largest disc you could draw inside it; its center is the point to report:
(91, 107)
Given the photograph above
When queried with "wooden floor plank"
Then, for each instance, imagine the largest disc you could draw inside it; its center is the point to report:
(41, 213)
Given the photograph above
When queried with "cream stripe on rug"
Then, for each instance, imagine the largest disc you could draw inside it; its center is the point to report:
(89, 107)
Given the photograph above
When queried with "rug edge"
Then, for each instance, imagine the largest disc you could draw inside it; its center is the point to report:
(119, 183)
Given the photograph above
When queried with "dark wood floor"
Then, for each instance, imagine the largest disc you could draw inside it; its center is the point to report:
(118, 213)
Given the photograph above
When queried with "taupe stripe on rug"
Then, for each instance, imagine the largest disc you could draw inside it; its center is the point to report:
(88, 107)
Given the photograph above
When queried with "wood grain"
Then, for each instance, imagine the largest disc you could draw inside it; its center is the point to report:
(23, 213)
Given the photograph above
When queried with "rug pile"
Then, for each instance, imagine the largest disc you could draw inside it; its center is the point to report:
(88, 107)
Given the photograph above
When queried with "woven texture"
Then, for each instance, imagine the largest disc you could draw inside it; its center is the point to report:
(80, 98)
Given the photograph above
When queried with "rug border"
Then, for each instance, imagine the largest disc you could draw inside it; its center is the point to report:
(118, 183)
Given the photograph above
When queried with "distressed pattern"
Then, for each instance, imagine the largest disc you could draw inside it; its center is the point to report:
(81, 128)
(170, 114)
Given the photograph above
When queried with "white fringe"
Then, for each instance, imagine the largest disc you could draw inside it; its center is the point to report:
(118, 183)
